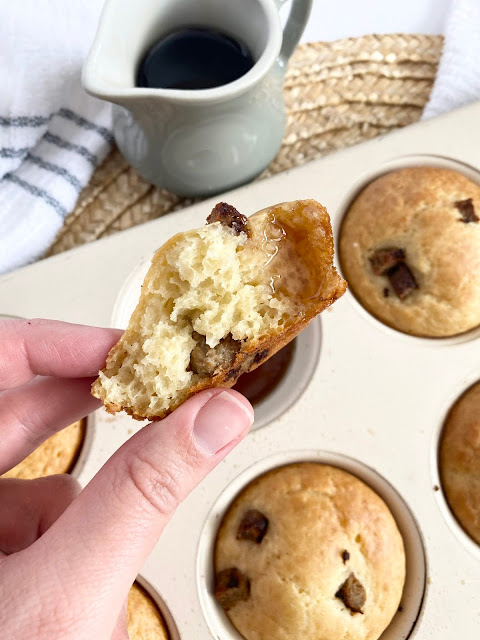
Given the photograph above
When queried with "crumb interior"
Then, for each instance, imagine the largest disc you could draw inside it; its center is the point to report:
(212, 291)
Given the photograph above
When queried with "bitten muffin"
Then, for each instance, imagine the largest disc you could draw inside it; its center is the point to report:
(459, 460)
(410, 251)
(58, 454)
(144, 618)
(219, 301)
(309, 551)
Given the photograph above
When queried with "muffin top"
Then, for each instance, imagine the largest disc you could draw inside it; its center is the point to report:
(309, 551)
(58, 454)
(144, 619)
(410, 251)
(460, 460)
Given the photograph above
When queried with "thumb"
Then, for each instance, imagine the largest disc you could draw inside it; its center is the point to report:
(112, 526)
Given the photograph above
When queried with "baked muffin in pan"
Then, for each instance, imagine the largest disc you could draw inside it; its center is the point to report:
(410, 251)
(309, 551)
(57, 454)
(144, 618)
(459, 461)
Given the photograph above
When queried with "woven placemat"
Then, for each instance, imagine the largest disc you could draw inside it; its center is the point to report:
(337, 94)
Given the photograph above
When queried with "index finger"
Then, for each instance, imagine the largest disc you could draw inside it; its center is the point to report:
(51, 348)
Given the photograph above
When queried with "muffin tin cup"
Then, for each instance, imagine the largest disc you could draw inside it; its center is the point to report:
(457, 530)
(410, 606)
(374, 402)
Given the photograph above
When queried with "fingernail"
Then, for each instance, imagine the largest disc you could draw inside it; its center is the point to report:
(222, 419)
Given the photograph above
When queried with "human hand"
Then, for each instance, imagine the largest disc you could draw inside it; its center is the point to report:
(68, 557)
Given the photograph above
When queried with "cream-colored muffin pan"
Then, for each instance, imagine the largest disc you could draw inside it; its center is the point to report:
(359, 394)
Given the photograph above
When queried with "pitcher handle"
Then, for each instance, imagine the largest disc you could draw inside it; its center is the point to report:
(297, 20)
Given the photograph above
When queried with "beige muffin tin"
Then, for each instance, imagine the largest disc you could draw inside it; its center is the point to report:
(358, 394)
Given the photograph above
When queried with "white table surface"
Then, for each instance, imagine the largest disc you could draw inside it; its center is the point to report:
(333, 19)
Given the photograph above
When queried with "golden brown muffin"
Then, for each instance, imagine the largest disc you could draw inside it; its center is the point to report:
(309, 551)
(460, 460)
(219, 301)
(144, 618)
(410, 251)
(58, 454)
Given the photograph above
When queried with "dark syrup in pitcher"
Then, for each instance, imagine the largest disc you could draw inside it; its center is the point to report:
(194, 58)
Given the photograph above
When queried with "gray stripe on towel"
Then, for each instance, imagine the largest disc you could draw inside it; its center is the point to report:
(38, 193)
(68, 114)
(8, 152)
(54, 168)
(24, 121)
(78, 148)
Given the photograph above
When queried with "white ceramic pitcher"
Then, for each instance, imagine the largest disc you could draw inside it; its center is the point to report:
(195, 142)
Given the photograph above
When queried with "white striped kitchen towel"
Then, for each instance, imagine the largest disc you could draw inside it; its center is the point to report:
(458, 78)
(52, 134)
